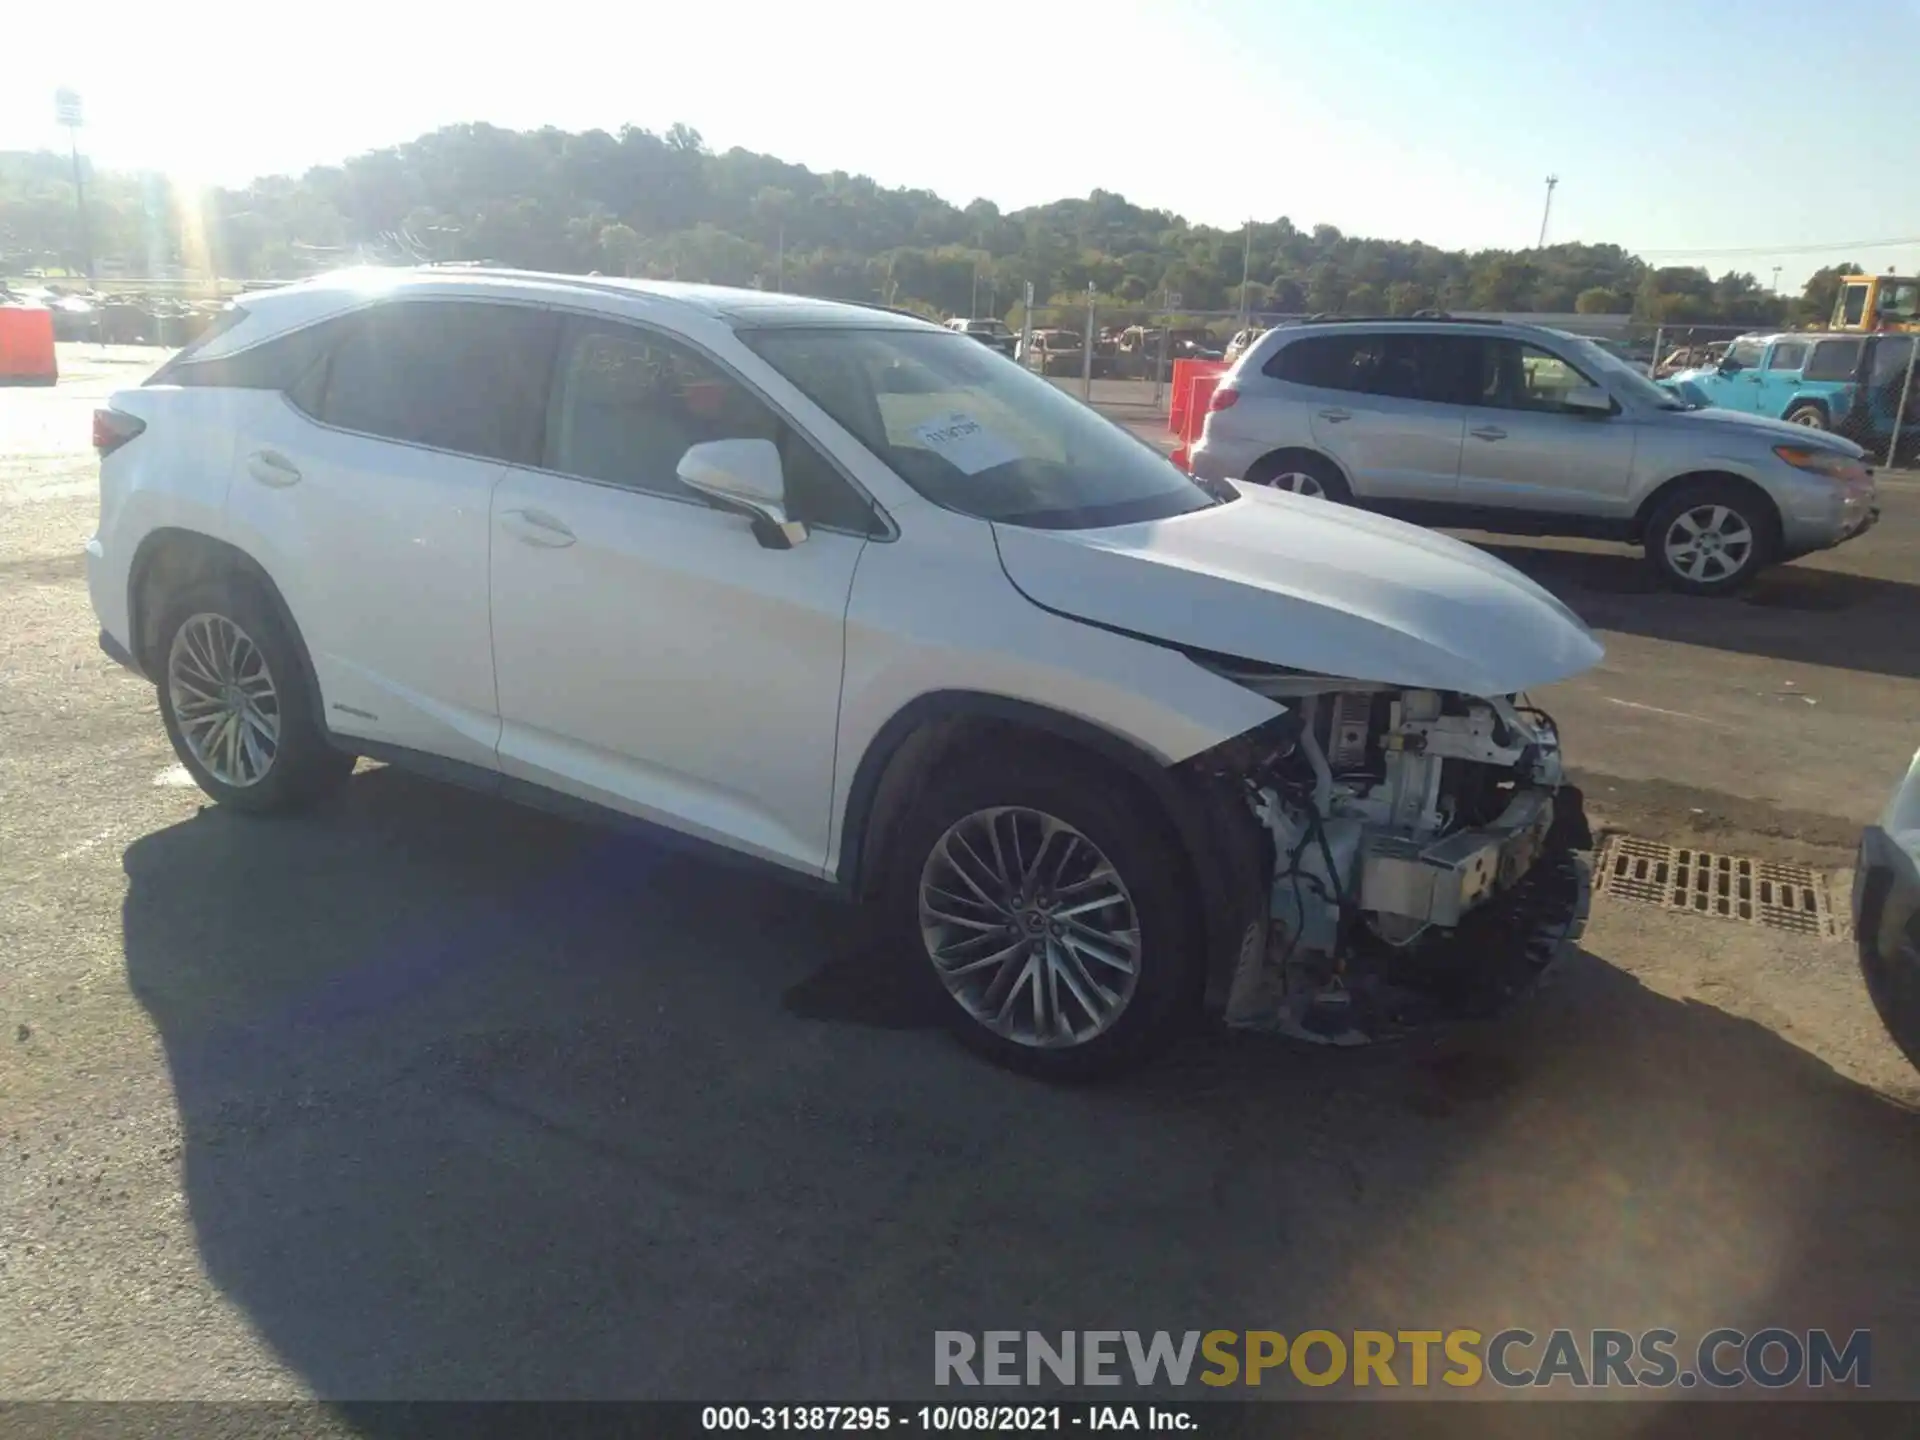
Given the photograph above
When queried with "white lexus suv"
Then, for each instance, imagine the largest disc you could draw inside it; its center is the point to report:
(834, 589)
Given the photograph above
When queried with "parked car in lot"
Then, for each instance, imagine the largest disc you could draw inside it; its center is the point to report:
(993, 334)
(1886, 913)
(1056, 352)
(1524, 429)
(1849, 383)
(830, 589)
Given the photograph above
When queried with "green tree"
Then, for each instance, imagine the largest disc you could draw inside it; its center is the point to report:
(1599, 300)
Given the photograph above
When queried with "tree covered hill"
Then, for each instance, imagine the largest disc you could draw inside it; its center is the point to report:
(638, 203)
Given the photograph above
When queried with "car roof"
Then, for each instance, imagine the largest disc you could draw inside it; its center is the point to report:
(752, 309)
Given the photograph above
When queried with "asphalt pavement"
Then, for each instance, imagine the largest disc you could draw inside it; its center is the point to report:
(426, 1096)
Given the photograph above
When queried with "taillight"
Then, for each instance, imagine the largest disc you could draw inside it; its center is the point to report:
(1223, 399)
(114, 428)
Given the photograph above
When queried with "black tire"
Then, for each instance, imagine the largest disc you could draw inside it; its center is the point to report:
(1120, 823)
(1754, 512)
(1814, 417)
(1287, 470)
(303, 766)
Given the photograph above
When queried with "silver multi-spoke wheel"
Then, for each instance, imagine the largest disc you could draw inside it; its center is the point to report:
(224, 700)
(1708, 543)
(1300, 483)
(1029, 927)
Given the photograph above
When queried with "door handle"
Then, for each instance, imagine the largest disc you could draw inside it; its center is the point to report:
(1336, 416)
(1488, 432)
(536, 527)
(270, 467)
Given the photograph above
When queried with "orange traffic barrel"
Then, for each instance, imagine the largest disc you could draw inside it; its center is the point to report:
(26, 346)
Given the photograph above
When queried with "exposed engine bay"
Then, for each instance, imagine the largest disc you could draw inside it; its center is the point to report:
(1389, 815)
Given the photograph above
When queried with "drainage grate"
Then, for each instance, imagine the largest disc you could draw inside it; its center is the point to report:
(1731, 887)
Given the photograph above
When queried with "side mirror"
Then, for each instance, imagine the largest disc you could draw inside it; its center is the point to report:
(1588, 400)
(745, 475)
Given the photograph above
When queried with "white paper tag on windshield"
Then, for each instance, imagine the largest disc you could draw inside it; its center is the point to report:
(964, 443)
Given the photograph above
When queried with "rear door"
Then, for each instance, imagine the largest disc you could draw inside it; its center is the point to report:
(366, 493)
(1388, 406)
(1525, 450)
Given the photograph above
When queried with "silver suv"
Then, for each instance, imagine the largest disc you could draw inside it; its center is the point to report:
(1529, 430)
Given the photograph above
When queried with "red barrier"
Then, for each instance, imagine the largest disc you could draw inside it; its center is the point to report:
(1192, 402)
(26, 346)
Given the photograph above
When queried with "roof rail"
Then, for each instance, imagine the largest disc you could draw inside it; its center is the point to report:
(1425, 317)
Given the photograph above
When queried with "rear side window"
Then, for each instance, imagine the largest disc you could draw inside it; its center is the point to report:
(1440, 368)
(1329, 362)
(1788, 355)
(1833, 360)
(175, 371)
(452, 375)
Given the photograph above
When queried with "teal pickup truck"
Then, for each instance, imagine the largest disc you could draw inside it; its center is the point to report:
(1849, 383)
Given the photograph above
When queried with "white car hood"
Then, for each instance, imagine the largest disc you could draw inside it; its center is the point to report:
(1313, 586)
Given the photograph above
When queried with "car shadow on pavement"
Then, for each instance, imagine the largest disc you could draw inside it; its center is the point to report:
(1792, 612)
(481, 1104)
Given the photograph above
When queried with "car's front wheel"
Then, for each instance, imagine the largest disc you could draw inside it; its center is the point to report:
(235, 700)
(1041, 902)
(1710, 538)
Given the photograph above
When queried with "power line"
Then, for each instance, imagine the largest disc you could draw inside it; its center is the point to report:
(1826, 247)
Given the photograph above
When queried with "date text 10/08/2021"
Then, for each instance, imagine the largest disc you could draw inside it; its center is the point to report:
(994, 1419)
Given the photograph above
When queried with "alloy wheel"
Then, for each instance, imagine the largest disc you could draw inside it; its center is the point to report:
(1029, 927)
(1300, 483)
(1709, 543)
(224, 700)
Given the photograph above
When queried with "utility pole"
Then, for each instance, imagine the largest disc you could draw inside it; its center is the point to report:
(973, 305)
(1552, 180)
(66, 111)
(780, 258)
(1776, 279)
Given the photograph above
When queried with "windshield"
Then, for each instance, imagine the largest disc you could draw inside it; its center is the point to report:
(973, 432)
(1624, 380)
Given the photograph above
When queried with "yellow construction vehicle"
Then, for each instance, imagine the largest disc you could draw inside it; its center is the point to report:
(1877, 302)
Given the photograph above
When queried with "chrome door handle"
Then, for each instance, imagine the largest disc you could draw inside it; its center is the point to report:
(1336, 416)
(1488, 432)
(536, 527)
(270, 467)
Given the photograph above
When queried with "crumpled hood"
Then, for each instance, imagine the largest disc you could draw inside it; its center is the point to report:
(1764, 428)
(1313, 586)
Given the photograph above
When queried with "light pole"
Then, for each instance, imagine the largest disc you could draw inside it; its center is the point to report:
(1552, 180)
(1776, 279)
(66, 111)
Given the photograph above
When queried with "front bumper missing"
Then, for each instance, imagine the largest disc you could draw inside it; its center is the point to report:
(1439, 883)
(1455, 929)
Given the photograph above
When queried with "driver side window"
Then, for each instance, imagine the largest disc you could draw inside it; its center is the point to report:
(1519, 376)
(627, 404)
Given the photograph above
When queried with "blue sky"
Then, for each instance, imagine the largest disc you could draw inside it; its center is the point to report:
(1709, 129)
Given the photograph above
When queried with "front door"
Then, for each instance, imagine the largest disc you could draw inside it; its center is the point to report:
(1525, 450)
(651, 655)
(1779, 378)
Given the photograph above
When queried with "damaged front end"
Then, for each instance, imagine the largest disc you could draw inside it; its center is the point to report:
(1392, 822)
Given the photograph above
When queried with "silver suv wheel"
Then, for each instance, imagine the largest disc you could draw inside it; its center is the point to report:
(1029, 927)
(1708, 543)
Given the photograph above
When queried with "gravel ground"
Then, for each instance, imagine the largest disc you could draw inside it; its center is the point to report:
(426, 1096)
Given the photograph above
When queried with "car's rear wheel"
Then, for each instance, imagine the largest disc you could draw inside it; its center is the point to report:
(235, 700)
(1710, 538)
(1303, 474)
(1042, 905)
(1811, 416)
